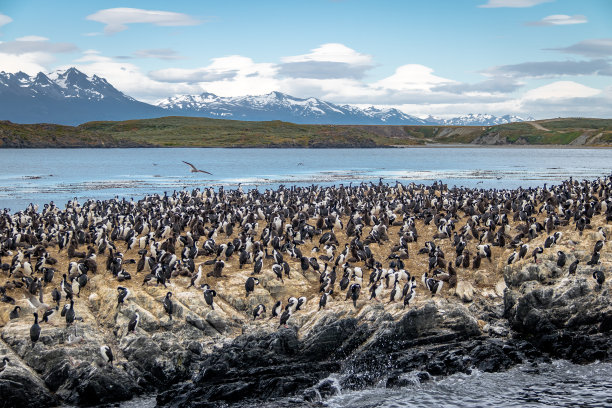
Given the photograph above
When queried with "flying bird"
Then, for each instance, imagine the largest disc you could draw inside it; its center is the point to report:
(194, 169)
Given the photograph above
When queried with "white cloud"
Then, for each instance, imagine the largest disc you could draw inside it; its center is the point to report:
(329, 61)
(31, 63)
(35, 44)
(513, 3)
(32, 38)
(412, 77)
(160, 53)
(560, 19)
(4, 19)
(116, 19)
(128, 78)
(560, 90)
(220, 69)
(332, 52)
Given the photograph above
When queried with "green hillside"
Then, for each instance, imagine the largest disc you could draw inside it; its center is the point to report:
(175, 131)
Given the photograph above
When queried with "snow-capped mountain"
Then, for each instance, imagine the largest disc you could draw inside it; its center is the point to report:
(71, 97)
(280, 106)
(483, 120)
(66, 97)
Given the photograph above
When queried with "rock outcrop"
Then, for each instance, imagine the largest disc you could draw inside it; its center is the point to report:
(498, 315)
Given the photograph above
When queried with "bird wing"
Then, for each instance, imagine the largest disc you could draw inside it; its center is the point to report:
(190, 165)
(196, 169)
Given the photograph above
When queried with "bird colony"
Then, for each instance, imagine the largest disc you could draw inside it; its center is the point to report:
(281, 257)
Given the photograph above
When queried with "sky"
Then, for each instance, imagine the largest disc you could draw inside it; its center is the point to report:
(537, 58)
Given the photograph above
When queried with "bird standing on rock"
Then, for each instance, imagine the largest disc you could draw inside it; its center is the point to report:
(259, 310)
(561, 259)
(353, 293)
(168, 304)
(573, 266)
(122, 295)
(431, 284)
(599, 277)
(15, 313)
(133, 323)
(249, 285)
(285, 317)
(209, 295)
(70, 315)
(107, 355)
(35, 330)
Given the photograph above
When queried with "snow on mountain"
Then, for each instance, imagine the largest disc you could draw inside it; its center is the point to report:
(66, 97)
(72, 97)
(483, 120)
(280, 106)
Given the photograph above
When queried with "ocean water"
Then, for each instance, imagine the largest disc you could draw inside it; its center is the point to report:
(558, 384)
(42, 175)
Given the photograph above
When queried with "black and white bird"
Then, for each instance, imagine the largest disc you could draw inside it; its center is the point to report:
(66, 287)
(57, 297)
(48, 313)
(409, 297)
(70, 315)
(285, 317)
(133, 323)
(107, 355)
(523, 250)
(209, 295)
(168, 304)
(3, 363)
(258, 311)
(123, 294)
(485, 251)
(15, 313)
(194, 169)
(276, 309)
(376, 290)
(573, 266)
(195, 281)
(278, 271)
(301, 302)
(324, 298)
(353, 293)
(561, 259)
(249, 285)
(431, 284)
(35, 330)
(537, 251)
(599, 277)
(594, 259)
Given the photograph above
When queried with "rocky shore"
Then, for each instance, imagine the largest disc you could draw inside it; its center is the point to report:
(498, 314)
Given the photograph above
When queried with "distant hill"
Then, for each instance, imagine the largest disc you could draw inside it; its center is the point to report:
(70, 97)
(175, 131)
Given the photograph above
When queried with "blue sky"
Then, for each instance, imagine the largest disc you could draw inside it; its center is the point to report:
(540, 58)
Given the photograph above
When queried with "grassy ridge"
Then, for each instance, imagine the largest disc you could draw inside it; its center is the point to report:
(175, 131)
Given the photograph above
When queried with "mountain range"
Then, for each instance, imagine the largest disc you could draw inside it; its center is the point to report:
(71, 97)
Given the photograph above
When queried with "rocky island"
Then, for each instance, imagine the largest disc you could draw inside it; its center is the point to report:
(374, 283)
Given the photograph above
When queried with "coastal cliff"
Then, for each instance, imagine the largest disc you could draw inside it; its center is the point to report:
(497, 315)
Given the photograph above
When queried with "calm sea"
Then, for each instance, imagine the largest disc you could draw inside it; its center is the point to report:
(43, 175)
